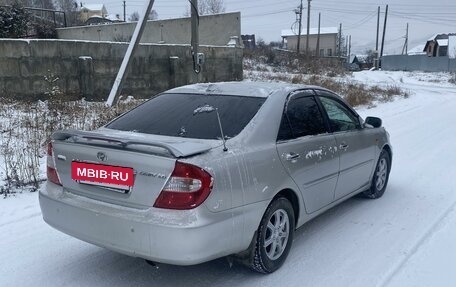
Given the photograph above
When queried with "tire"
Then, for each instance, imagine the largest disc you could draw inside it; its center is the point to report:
(274, 237)
(380, 177)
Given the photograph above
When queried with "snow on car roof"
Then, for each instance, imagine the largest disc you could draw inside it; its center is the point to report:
(252, 89)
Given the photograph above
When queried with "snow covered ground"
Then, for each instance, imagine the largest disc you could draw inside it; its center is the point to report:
(406, 238)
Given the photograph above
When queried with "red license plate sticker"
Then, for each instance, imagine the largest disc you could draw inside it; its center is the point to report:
(100, 174)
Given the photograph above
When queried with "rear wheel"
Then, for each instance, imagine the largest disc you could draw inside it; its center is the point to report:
(380, 178)
(274, 237)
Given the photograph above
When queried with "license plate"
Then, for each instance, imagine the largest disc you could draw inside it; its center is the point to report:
(102, 175)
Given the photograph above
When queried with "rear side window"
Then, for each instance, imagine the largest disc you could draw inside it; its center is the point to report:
(173, 115)
(302, 118)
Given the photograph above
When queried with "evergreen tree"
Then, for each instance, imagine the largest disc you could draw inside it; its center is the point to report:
(13, 21)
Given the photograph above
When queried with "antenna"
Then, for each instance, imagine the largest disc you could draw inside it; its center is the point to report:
(209, 109)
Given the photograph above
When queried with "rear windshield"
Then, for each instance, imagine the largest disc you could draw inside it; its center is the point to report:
(173, 115)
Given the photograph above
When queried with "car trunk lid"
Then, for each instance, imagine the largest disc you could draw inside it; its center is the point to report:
(149, 160)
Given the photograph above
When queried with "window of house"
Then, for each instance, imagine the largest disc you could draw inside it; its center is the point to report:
(330, 52)
(322, 52)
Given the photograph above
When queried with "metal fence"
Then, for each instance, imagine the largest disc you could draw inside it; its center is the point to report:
(418, 63)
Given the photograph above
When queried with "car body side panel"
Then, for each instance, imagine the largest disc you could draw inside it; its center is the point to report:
(316, 169)
(357, 159)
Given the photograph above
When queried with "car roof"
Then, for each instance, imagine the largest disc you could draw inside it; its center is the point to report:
(250, 89)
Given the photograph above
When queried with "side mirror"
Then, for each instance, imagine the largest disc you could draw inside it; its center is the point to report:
(373, 121)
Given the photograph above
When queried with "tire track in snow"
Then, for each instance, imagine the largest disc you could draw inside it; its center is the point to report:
(423, 239)
(21, 219)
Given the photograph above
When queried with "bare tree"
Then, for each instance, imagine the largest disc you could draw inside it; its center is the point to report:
(211, 7)
(46, 4)
(24, 3)
(134, 16)
(208, 7)
(70, 7)
(370, 56)
(153, 15)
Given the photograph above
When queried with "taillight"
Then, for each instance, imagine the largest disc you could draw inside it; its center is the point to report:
(51, 172)
(187, 188)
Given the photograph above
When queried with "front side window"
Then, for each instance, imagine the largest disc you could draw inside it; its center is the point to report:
(302, 117)
(340, 117)
(173, 115)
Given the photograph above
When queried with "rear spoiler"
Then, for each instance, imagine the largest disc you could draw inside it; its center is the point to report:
(176, 149)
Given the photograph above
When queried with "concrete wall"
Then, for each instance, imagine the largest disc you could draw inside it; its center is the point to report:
(213, 30)
(89, 68)
(418, 63)
(327, 41)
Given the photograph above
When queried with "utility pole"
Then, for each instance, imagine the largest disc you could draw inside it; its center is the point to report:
(195, 34)
(122, 74)
(346, 46)
(349, 48)
(340, 40)
(318, 36)
(299, 29)
(378, 28)
(407, 37)
(125, 10)
(376, 60)
(405, 48)
(384, 31)
(308, 27)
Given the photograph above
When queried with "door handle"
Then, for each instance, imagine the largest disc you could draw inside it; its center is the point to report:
(291, 156)
(343, 146)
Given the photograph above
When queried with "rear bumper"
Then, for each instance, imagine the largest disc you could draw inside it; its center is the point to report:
(168, 236)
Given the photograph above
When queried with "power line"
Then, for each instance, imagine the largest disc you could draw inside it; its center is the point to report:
(268, 13)
(361, 22)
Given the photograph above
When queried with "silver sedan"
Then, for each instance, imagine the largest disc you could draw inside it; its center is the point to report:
(211, 170)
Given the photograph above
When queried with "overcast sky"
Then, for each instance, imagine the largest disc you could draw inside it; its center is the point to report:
(266, 18)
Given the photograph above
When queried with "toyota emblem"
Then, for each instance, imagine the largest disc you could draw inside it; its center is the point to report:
(102, 156)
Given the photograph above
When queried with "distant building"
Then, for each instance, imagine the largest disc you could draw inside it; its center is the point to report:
(115, 18)
(362, 62)
(417, 50)
(327, 45)
(249, 41)
(90, 10)
(437, 45)
(99, 20)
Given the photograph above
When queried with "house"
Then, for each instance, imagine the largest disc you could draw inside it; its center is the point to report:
(327, 45)
(89, 10)
(361, 62)
(437, 45)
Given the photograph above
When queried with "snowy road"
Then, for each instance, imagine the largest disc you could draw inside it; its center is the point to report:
(406, 238)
